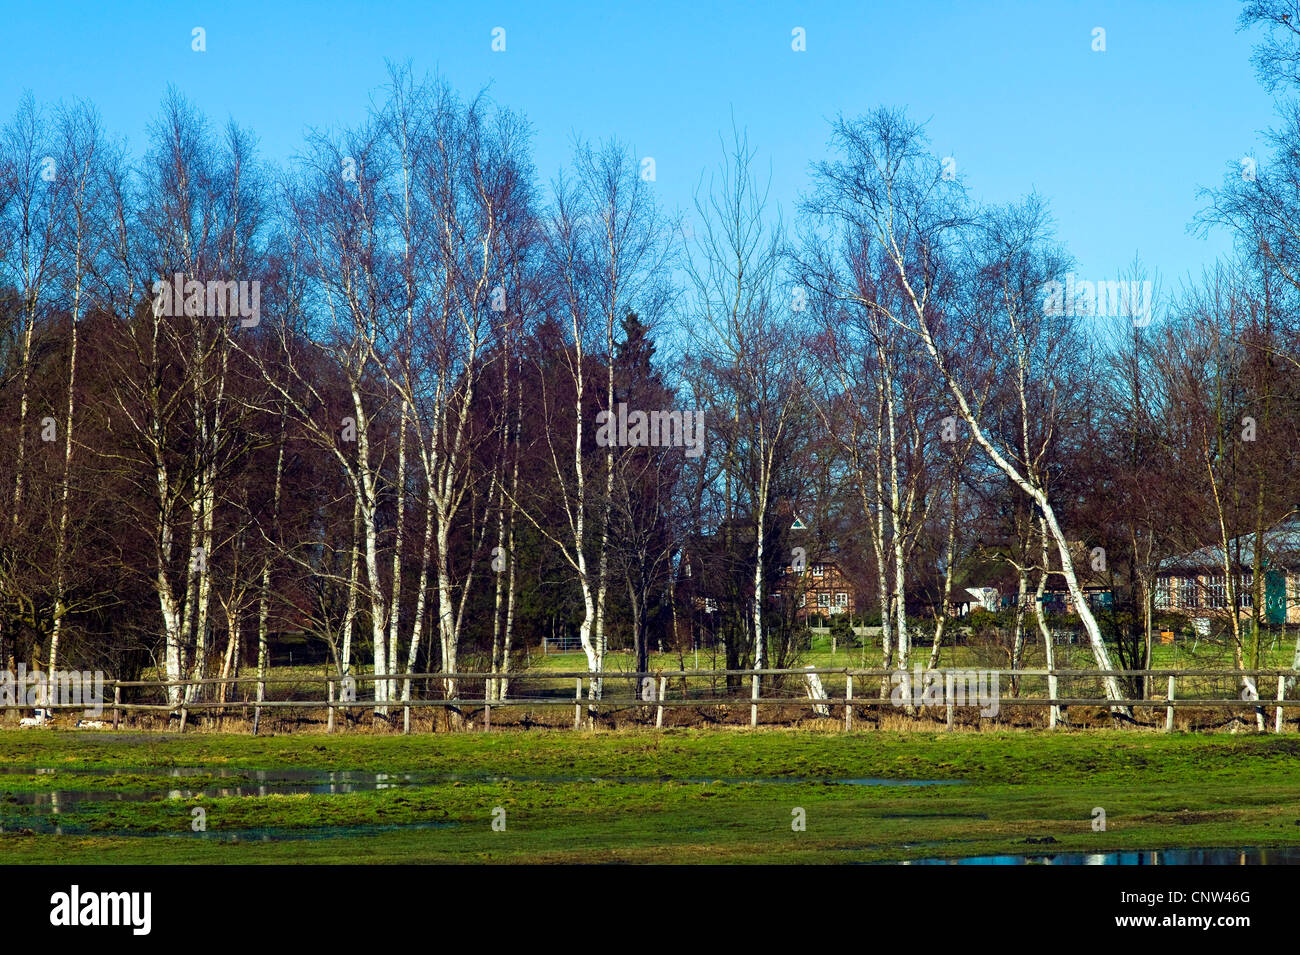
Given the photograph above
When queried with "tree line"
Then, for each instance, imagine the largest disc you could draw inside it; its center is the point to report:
(412, 400)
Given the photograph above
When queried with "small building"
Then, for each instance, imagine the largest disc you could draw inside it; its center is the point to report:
(977, 598)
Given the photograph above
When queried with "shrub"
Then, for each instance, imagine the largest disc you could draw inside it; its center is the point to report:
(842, 631)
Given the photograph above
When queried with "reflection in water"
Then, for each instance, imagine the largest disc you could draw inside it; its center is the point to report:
(39, 810)
(247, 782)
(1287, 855)
(45, 810)
(262, 834)
(264, 782)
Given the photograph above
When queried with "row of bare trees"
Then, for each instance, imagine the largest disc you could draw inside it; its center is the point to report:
(397, 398)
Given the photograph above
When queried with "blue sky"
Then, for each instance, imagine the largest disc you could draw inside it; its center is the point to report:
(1117, 141)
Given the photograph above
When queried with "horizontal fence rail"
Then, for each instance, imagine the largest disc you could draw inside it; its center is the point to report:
(926, 690)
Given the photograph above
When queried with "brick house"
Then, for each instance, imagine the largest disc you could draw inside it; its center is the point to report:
(1196, 585)
(820, 587)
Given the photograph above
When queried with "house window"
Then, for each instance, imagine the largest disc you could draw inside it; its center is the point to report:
(1188, 595)
(1245, 591)
(1216, 592)
(1162, 594)
(841, 600)
(818, 570)
(823, 600)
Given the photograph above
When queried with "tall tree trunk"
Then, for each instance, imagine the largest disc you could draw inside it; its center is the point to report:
(61, 535)
(896, 526)
(350, 614)
(594, 650)
(367, 490)
(499, 577)
(399, 537)
(421, 600)
(756, 606)
(1022, 593)
(264, 595)
(503, 685)
(1054, 712)
(950, 557)
(882, 565)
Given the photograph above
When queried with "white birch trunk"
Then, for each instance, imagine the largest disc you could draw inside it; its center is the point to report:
(760, 638)
(421, 600)
(395, 606)
(350, 614)
(1100, 653)
(366, 493)
(813, 684)
(1018, 633)
(950, 556)
(1054, 712)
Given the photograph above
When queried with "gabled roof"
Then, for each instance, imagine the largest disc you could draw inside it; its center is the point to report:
(1281, 549)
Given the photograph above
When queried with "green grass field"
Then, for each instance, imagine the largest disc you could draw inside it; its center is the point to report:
(677, 796)
(1183, 654)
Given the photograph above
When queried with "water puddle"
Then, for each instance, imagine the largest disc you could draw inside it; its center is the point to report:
(53, 810)
(243, 782)
(1287, 855)
(262, 782)
(263, 834)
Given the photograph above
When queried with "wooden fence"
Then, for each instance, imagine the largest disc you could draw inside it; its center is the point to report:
(655, 690)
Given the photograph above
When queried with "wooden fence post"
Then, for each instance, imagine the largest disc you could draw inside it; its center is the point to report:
(406, 720)
(659, 712)
(753, 706)
(848, 702)
(1281, 695)
(185, 687)
(117, 703)
(1169, 710)
(329, 719)
(950, 695)
(1053, 711)
(577, 705)
(257, 710)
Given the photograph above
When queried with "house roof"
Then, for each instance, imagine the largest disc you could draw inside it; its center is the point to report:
(1281, 549)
